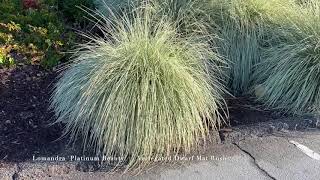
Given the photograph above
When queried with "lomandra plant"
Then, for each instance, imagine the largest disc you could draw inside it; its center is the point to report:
(239, 29)
(142, 91)
(289, 75)
(243, 28)
(240, 32)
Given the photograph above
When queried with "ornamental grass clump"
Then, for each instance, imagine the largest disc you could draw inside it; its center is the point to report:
(141, 91)
(240, 29)
(289, 76)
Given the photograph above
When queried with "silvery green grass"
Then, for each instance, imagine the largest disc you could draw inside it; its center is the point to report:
(141, 91)
(273, 50)
(289, 76)
(240, 31)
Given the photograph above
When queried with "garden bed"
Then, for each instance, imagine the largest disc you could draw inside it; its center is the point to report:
(142, 87)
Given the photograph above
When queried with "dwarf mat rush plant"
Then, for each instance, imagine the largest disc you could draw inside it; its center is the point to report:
(144, 91)
(289, 76)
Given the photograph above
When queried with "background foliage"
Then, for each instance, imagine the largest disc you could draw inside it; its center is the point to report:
(38, 32)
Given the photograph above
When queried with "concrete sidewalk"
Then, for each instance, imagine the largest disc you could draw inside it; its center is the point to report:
(259, 155)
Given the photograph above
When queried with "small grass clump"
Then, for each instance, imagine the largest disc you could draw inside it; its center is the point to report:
(141, 91)
(289, 76)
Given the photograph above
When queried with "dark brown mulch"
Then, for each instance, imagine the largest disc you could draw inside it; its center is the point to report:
(244, 110)
(24, 114)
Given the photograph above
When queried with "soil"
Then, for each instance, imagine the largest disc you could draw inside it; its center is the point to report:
(245, 111)
(24, 114)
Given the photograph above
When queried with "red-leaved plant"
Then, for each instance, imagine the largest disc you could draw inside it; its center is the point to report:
(30, 4)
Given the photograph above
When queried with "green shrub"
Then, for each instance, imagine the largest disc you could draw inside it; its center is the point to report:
(289, 76)
(142, 92)
(5, 59)
(72, 9)
(37, 34)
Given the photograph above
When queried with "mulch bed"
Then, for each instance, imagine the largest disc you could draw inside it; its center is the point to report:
(24, 114)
